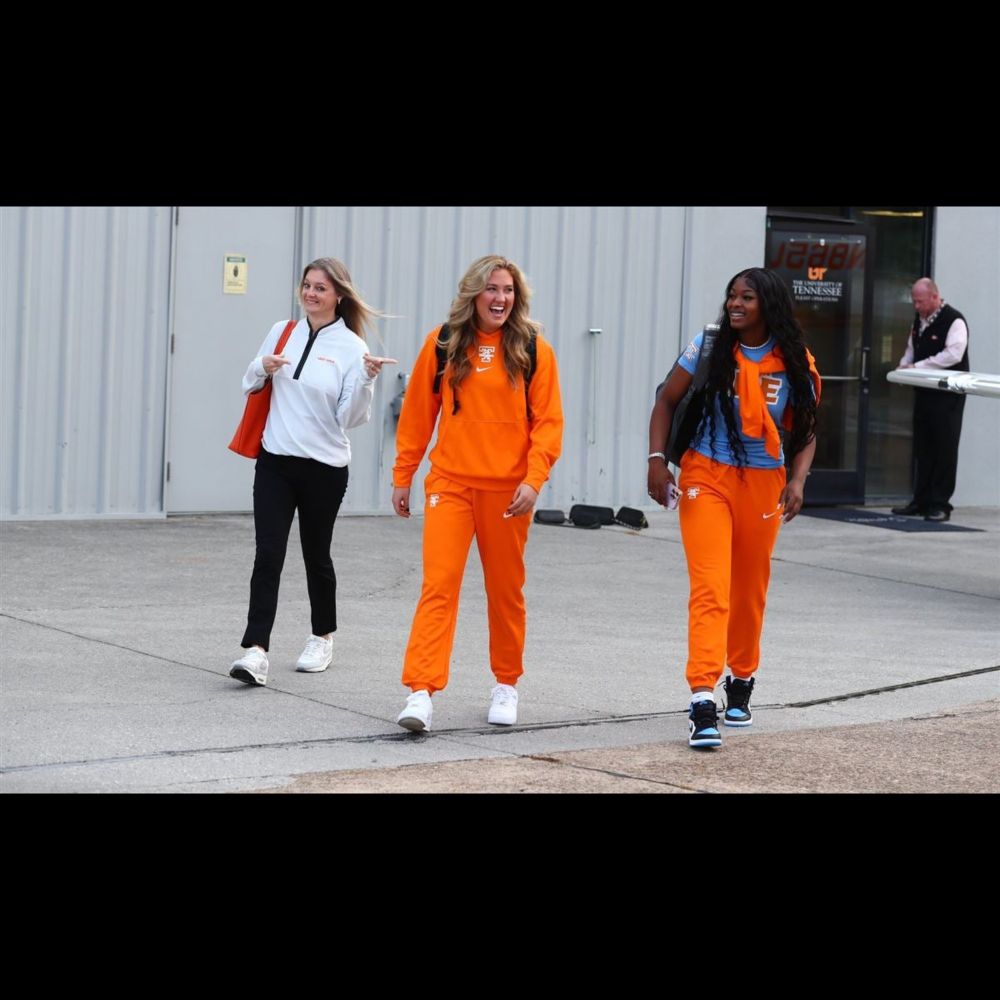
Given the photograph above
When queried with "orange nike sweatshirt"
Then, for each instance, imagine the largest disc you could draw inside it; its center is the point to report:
(489, 444)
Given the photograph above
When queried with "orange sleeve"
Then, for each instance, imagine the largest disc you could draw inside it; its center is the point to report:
(418, 415)
(547, 417)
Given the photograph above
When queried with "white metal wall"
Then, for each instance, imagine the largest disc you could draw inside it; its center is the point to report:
(967, 271)
(86, 333)
(83, 360)
(86, 322)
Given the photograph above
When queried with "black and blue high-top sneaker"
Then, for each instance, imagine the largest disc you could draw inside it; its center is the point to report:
(738, 702)
(703, 724)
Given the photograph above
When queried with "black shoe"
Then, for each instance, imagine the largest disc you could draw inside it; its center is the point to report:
(703, 725)
(938, 515)
(908, 511)
(738, 702)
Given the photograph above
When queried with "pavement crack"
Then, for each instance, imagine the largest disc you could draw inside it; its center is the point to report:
(404, 579)
(890, 687)
(459, 736)
(612, 774)
(237, 686)
(851, 572)
(885, 579)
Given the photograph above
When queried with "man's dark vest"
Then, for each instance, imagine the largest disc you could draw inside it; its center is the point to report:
(933, 339)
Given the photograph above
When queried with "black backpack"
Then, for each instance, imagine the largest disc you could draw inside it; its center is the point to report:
(441, 351)
(687, 417)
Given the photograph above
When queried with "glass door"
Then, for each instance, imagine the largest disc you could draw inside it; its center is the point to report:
(826, 266)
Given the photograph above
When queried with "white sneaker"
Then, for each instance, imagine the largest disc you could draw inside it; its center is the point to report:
(317, 655)
(251, 667)
(416, 716)
(503, 707)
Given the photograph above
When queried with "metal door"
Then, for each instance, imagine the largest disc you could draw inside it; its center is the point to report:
(235, 276)
(825, 266)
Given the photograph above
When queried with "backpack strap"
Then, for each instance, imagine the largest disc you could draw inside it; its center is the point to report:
(441, 353)
(711, 334)
(532, 365)
(686, 419)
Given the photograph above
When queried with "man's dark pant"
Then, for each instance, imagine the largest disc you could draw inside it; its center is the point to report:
(282, 484)
(937, 425)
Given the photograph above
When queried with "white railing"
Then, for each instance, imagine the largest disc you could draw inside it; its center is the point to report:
(967, 383)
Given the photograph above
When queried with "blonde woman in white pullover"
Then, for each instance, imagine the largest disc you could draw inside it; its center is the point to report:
(322, 385)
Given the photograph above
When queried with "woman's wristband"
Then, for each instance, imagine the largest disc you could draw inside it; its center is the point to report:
(657, 454)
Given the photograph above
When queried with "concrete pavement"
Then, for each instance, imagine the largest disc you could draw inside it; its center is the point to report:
(880, 665)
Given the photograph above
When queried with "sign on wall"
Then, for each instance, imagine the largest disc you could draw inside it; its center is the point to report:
(234, 274)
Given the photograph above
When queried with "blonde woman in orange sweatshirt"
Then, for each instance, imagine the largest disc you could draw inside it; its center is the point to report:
(496, 393)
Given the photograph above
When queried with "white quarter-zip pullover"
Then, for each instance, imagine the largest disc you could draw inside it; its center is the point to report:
(309, 414)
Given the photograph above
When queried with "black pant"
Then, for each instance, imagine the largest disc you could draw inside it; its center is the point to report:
(937, 425)
(281, 484)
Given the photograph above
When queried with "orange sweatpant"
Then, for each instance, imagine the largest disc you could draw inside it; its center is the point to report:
(452, 515)
(729, 524)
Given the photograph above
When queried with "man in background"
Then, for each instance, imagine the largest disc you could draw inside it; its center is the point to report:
(939, 338)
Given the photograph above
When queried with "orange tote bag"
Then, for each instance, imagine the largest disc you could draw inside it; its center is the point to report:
(247, 439)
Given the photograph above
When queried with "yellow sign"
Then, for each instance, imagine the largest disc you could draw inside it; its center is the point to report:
(234, 274)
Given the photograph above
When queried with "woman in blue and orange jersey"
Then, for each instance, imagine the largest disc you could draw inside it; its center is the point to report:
(734, 492)
(499, 416)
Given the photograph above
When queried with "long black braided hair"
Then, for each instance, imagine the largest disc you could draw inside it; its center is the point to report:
(781, 324)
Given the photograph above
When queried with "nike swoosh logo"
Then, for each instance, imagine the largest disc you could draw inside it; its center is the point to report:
(766, 516)
(486, 369)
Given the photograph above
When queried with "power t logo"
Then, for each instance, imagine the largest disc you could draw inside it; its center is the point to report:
(692, 493)
(433, 499)
(486, 353)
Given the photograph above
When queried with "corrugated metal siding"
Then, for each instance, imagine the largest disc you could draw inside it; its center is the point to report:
(616, 269)
(86, 330)
(85, 316)
(967, 270)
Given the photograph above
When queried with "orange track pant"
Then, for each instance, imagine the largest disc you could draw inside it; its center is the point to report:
(452, 515)
(729, 524)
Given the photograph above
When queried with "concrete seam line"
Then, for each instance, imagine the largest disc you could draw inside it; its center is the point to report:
(884, 579)
(270, 690)
(891, 687)
(613, 774)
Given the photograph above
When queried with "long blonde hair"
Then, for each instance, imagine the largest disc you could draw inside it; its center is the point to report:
(517, 331)
(352, 309)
